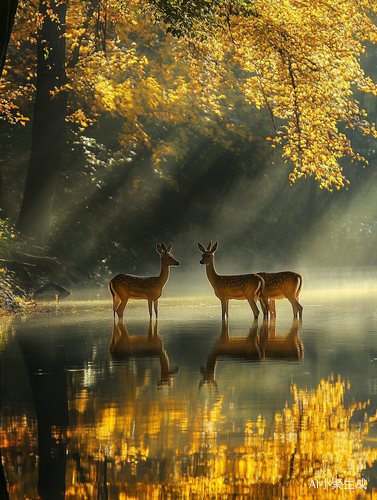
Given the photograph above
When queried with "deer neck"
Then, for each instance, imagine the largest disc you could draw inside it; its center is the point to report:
(164, 274)
(212, 274)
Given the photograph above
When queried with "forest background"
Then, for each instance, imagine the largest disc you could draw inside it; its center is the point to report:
(127, 124)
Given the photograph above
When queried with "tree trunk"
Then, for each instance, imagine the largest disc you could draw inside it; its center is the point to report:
(8, 10)
(48, 125)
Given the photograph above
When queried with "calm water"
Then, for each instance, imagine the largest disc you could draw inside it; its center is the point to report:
(192, 408)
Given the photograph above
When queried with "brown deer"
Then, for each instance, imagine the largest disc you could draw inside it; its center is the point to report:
(126, 286)
(282, 285)
(124, 346)
(240, 286)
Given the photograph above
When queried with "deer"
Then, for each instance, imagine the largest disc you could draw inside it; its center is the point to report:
(126, 286)
(282, 285)
(240, 286)
(124, 346)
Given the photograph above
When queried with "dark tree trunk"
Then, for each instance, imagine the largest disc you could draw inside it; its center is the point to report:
(48, 129)
(8, 10)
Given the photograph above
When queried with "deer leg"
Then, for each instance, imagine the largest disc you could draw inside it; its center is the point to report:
(224, 308)
(253, 306)
(263, 300)
(272, 307)
(155, 307)
(121, 307)
(116, 301)
(150, 308)
(296, 306)
(300, 308)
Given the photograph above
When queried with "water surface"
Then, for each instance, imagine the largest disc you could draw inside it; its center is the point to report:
(191, 407)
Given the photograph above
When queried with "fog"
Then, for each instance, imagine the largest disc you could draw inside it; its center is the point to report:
(112, 206)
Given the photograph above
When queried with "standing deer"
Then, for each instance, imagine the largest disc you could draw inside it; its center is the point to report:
(282, 285)
(240, 286)
(125, 286)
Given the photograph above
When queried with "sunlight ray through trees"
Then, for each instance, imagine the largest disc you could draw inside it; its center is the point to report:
(301, 60)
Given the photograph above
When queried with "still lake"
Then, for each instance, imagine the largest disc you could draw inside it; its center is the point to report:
(191, 408)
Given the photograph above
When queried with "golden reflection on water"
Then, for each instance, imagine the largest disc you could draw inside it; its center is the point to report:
(311, 440)
(157, 443)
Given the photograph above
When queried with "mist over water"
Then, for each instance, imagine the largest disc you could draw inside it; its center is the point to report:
(202, 387)
(189, 406)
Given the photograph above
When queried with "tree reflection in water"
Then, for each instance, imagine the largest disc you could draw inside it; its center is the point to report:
(141, 440)
(157, 444)
(311, 440)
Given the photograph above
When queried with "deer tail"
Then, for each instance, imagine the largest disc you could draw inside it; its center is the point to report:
(111, 289)
(114, 296)
(260, 288)
(301, 280)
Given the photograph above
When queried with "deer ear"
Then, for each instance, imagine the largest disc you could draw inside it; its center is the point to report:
(168, 250)
(201, 247)
(159, 249)
(163, 247)
(209, 245)
(214, 248)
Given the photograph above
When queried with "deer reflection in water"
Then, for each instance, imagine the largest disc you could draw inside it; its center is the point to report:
(282, 346)
(246, 348)
(124, 346)
(257, 346)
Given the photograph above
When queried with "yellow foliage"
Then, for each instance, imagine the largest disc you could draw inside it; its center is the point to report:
(298, 58)
(301, 59)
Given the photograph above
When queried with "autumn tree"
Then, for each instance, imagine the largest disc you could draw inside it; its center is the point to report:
(117, 64)
(300, 59)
